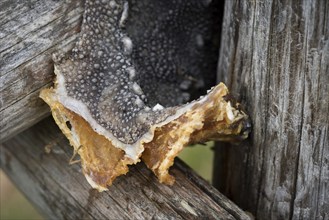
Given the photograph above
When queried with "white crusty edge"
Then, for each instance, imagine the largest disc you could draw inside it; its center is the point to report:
(133, 151)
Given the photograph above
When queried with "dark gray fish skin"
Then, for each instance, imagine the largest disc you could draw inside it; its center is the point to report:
(135, 56)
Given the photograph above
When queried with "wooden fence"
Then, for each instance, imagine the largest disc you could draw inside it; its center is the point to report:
(274, 57)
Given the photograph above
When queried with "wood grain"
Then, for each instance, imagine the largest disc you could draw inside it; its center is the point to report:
(275, 58)
(60, 191)
(30, 31)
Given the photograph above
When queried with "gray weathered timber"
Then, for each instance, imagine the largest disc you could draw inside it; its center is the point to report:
(30, 31)
(275, 58)
(60, 191)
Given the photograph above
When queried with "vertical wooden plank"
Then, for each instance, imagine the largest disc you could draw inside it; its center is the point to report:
(274, 57)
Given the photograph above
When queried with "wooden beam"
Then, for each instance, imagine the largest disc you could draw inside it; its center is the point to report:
(274, 57)
(30, 31)
(60, 191)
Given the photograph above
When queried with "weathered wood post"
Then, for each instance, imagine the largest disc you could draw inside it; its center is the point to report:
(275, 58)
(37, 159)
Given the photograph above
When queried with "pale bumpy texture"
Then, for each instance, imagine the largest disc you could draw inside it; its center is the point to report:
(124, 85)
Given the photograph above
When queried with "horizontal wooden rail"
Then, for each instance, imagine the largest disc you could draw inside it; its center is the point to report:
(37, 161)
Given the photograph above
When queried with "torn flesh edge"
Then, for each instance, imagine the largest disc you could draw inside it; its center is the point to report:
(196, 122)
(72, 137)
(162, 169)
(49, 96)
(94, 185)
(164, 166)
(133, 151)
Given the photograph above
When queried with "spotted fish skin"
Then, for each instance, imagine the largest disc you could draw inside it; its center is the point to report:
(126, 87)
(134, 56)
